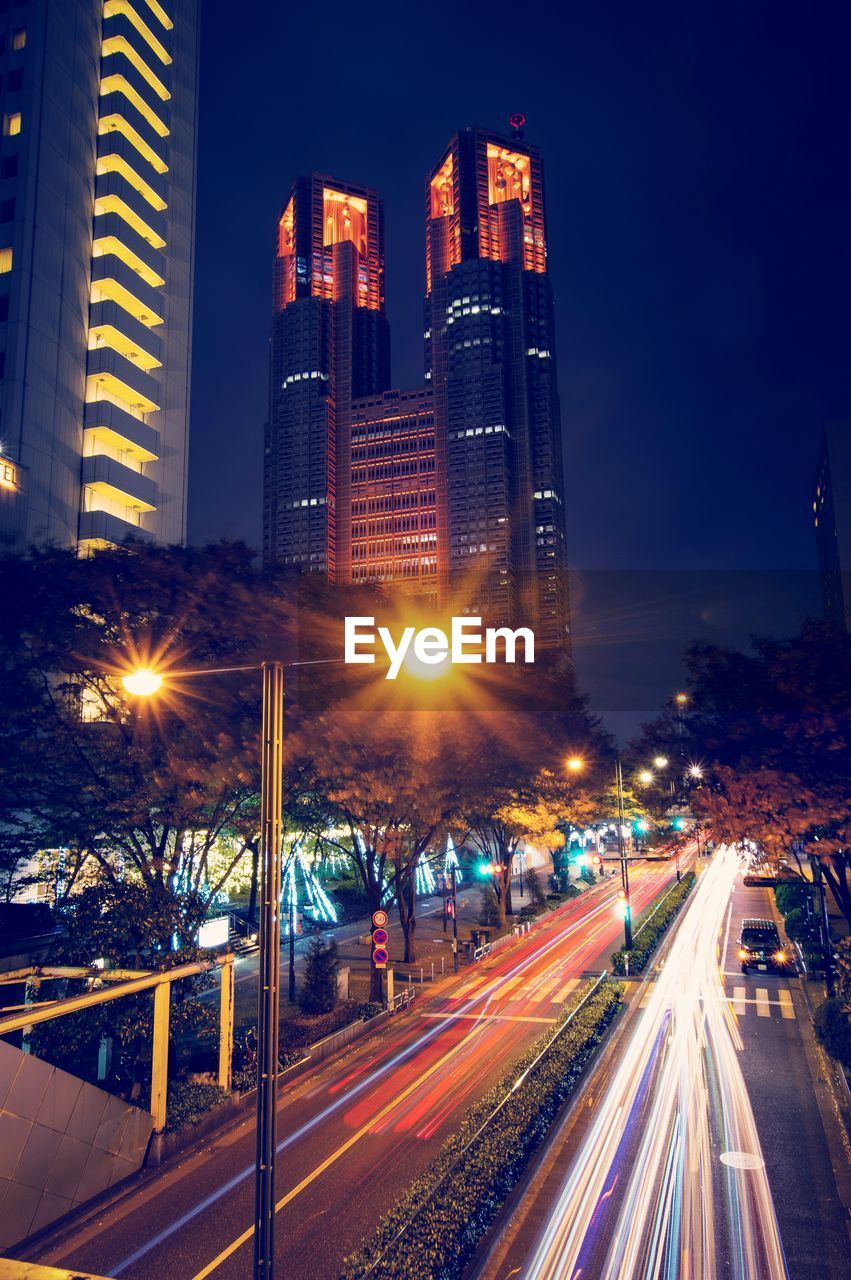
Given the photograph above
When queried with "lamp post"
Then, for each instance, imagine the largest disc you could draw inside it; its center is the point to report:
(454, 919)
(145, 683)
(627, 911)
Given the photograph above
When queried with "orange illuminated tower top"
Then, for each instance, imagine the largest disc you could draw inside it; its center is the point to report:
(485, 199)
(320, 214)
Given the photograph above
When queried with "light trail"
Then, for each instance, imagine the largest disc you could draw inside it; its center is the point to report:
(678, 1083)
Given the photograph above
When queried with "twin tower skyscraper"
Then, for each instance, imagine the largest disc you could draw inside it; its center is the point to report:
(453, 490)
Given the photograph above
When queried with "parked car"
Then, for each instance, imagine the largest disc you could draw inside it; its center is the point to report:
(760, 947)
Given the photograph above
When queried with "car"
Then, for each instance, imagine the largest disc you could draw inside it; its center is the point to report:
(760, 947)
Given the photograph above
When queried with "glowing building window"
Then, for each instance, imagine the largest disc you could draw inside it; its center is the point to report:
(286, 232)
(509, 177)
(12, 123)
(5, 261)
(19, 40)
(344, 219)
(442, 191)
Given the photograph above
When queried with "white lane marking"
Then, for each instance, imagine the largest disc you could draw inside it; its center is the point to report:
(739, 1000)
(787, 1009)
(762, 1009)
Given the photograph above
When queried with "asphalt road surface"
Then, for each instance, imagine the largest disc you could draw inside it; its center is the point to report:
(699, 1149)
(353, 1134)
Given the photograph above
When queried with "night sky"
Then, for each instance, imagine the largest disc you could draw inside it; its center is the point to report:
(698, 218)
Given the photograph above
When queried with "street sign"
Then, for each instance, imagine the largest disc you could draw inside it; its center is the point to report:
(379, 919)
(380, 957)
(379, 937)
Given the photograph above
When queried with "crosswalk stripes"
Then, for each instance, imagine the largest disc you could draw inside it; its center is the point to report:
(563, 992)
(739, 998)
(786, 1007)
(762, 1008)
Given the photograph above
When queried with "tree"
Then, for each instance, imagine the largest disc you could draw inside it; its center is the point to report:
(319, 986)
(772, 732)
(124, 925)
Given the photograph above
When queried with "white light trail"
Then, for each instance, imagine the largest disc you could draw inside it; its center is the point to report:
(658, 1114)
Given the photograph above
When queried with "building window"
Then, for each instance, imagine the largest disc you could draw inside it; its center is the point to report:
(5, 261)
(15, 79)
(9, 167)
(19, 39)
(7, 210)
(4, 307)
(12, 123)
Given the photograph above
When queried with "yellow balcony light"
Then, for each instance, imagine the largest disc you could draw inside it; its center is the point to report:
(156, 8)
(86, 545)
(117, 83)
(112, 8)
(115, 123)
(110, 290)
(106, 335)
(112, 244)
(5, 260)
(120, 44)
(117, 494)
(97, 383)
(104, 439)
(117, 164)
(103, 396)
(114, 204)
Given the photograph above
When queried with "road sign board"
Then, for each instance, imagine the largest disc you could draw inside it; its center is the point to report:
(379, 919)
(379, 937)
(380, 957)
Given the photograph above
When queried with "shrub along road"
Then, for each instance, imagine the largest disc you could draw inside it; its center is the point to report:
(355, 1133)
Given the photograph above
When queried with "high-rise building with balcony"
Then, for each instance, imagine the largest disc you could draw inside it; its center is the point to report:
(490, 360)
(97, 203)
(329, 346)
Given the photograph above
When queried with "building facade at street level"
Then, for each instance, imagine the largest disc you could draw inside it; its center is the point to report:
(454, 490)
(97, 206)
(832, 517)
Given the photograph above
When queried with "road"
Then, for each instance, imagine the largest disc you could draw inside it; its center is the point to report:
(700, 1151)
(356, 1132)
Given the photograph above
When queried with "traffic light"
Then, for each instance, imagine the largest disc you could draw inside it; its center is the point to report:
(486, 869)
(622, 905)
(678, 824)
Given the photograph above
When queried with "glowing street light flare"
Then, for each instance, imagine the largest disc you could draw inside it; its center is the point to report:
(143, 682)
(576, 764)
(681, 699)
(660, 762)
(695, 771)
(645, 777)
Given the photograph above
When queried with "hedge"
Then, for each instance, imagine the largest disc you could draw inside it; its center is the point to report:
(433, 1230)
(647, 935)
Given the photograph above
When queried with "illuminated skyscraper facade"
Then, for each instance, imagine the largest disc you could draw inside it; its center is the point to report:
(397, 532)
(97, 204)
(490, 360)
(454, 490)
(329, 345)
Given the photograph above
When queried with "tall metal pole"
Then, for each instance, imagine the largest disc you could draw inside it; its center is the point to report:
(454, 920)
(291, 992)
(271, 821)
(627, 920)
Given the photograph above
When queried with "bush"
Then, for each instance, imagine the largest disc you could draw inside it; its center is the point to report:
(802, 927)
(444, 1214)
(646, 937)
(833, 1030)
(489, 910)
(534, 888)
(791, 896)
(319, 986)
(190, 1102)
(370, 1009)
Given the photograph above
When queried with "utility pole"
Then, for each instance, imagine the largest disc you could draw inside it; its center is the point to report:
(454, 919)
(268, 1013)
(627, 919)
(824, 925)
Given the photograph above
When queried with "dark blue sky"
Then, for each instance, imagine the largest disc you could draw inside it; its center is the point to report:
(699, 211)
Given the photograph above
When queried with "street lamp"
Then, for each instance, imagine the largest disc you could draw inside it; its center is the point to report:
(627, 909)
(645, 777)
(660, 762)
(144, 683)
